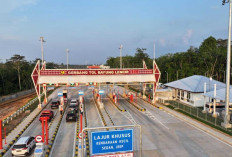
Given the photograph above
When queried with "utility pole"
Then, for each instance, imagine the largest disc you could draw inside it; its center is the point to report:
(67, 51)
(42, 51)
(226, 123)
(121, 56)
(154, 51)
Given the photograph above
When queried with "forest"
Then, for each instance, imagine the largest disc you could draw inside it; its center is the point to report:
(209, 59)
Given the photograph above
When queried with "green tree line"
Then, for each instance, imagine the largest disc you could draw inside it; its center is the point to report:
(209, 59)
(15, 74)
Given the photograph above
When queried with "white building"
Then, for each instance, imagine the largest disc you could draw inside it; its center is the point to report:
(190, 90)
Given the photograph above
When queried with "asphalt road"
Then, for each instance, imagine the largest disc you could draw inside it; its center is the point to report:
(64, 143)
(163, 135)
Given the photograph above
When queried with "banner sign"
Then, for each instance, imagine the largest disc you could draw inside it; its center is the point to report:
(95, 72)
(105, 142)
(81, 92)
(101, 92)
(60, 93)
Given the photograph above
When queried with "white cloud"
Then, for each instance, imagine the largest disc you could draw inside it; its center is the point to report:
(187, 36)
(10, 5)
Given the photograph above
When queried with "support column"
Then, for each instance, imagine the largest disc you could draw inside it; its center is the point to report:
(45, 93)
(214, 108)
(47, 134)
(153, 91)
(204, 111)
(39, 98)
(42, 130)
(214, 102)
(144, 90)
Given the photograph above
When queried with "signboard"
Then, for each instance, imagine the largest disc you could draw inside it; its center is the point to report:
(81, 92)
(38, 138)
(116, 155)
(80, 135)
(112, 141)
(60, 93)
(38, 151)
(96, 72)
(101, 92)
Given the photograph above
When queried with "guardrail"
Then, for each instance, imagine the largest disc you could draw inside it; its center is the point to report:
(20, 110)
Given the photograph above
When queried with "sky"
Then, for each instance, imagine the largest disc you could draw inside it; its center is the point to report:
(94, 29)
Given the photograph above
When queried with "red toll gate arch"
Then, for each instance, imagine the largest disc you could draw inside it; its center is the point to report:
(43, 77)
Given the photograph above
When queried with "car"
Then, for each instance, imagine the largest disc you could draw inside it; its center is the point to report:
(71, 116)
(73, 107)
(74, 102)
(23, 146)
(47, 113)
(55, 104)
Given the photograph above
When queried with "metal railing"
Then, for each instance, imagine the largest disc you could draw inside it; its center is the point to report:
(197, 112)
(20, 110)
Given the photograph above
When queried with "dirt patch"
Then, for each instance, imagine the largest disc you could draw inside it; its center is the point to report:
(15, 121)
(10, 108)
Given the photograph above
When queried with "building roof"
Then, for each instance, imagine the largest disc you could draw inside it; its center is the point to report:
(195, 84)
(220, 94)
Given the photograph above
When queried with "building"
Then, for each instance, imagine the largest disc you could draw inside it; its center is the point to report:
(190, 90)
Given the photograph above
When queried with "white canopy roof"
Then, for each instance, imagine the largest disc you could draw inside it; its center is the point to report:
(195, 84)
(220, 94)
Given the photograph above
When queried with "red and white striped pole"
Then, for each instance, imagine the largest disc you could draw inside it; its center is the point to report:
(46, 127)
(0, 134)
(42, 130)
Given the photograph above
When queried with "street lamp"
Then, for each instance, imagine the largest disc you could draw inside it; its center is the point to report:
(42, 51)
(226, 123)
(67, 51)
(120, 56)
(167, 76)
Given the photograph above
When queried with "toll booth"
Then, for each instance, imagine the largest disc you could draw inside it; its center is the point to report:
(65, 95)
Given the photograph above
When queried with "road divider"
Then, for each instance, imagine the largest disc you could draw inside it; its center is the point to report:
(138, 107)
(117, 106)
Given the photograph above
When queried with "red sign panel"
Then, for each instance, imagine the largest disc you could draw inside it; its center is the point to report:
(96, 72)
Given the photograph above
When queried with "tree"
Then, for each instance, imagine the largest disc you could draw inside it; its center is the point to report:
(17, 62)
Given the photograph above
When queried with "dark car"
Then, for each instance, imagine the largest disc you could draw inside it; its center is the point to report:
(73, 107)
(71, 116)
(55, 104)
(46, 113)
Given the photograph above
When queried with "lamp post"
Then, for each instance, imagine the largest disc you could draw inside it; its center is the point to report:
(167, 76)
(42, 50)
(67, 51)
(226, 123)
(120, 56)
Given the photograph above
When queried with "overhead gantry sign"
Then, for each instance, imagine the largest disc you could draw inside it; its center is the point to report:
(60, 77)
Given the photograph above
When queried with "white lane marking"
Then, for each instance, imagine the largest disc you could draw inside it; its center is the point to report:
(150, 115)
(129, 116)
